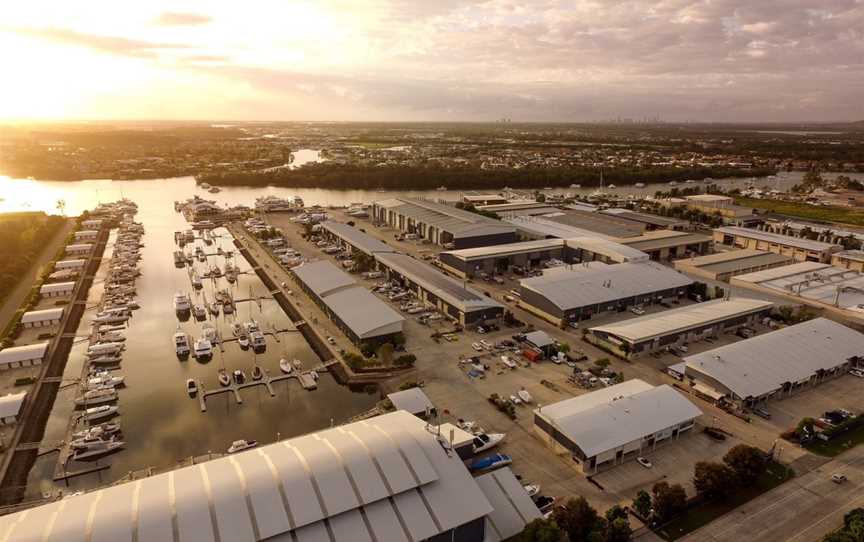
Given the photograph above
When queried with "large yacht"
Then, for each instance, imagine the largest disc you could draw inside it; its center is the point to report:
(203, 348)
(181, 302)
(181, 344)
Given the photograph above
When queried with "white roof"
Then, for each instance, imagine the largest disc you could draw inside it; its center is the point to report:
(681, 319)
(16, 354)
(412, 400)
(708, 197)
(539, 339)
(513, 508)
(617, 252)
(62, 264)
(386, 478)
(42, 315)
(79, 247)
(548, 228)
(782, 272)
(506, 249)
(323, 277)
(458, 222)
(86, 233)
(581, 285)
(57, 287)
(779, 239)
(10, 405)
(356, 238)
(605, 419)
(762, 364)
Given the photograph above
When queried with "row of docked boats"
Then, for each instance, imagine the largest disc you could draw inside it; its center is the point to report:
(99, 389)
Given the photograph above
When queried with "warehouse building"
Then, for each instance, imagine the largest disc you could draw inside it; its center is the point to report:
(500, 259)
(796, 247)
(578, 292)
(352, 238)
(484, 199)
(650, 222)
(653, 332)
(42, 318)
(70, 264)
(538, 227)
(519, 208)
(604, 224)
(383, 479)
(10, 407)
(91, 224)
(433, 288)
(81, 249)
(86, 235)
(849, 259)
(358, 313)
(776, 364)
(725, 265)
(57, 289)
(23, 356)
(665, 245)
(442, 224)
(607, 427)
(413, 401)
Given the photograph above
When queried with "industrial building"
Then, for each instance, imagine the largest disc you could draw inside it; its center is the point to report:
(10, 407)
(442, 224)
(358, 313)
(609, 426)
(81, 249)
(23, 356)
(387, 478)
(353, 239)
(413, 401)
(484, 199)
(849, 259)
(725, 265)
(665, 245)
(776, 364)
(499, 259)
(539, 227)
(86, 235)
(570, 294)
(798, 248)
(816, 284)
(433, 288)
(604, 224)
(57, 289)
(70, 264)
(650, 222)
(653, 332)
(519, 208)
(42, 318)
(92, 224)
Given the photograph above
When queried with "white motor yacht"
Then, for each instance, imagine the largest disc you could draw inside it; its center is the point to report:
(240, 445)
(181, 344)
(286, 366)
(203, 348)
(97, 396)
(486, 441)
(258, 340)
(182, 303)
(191, 386)
(98, 431)
(100, 412)
(105, 381)
(97, 450)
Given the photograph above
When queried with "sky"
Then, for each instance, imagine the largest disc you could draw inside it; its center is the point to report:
(435, 60)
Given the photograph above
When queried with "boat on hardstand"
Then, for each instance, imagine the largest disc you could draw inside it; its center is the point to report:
(491, 462)
(240, 445)
(286, 366)
(486, 441)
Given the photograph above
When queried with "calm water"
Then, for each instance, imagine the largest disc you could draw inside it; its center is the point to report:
(161, 424)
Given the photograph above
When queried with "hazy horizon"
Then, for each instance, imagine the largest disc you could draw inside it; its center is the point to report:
(792, 61)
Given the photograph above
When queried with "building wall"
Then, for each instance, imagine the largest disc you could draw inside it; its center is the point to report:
(846, 263)
(798, 254)
(499, 264)
(42, 323)
(23, 363)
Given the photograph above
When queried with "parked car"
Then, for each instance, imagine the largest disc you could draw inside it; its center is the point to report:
(745, 333)
(857, 372)
(762, 413)
(838, 478)
(477, 347)
(644, 462)
(639, 311)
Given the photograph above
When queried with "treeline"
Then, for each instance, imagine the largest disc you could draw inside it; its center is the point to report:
(428, 177)
(24, 235)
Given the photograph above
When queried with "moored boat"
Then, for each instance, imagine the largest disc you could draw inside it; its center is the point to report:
(240, 445)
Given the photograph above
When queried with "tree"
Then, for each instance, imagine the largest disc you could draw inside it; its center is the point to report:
(602, 363)
(714, 480)
(385, 353)
(577, 519)
(749, 463)
(618, 530)
(642, 503)
(405, 360)
(669, 501)
(616, 512)
(541, 530)
(564, 347)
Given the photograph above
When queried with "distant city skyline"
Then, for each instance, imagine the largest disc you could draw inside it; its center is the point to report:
(395, 60)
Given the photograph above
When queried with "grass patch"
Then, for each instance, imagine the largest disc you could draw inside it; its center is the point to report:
(803, 210)
(838, 445)
(703, 514)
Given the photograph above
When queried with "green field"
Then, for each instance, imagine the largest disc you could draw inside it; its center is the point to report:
(703, 514)
(844, 215)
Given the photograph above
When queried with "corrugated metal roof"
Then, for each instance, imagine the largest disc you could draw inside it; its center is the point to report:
(322, 277)
(782, 272)
(458, 222)
(605, 419)
(681, 319)
(412, 400)
(597, 222)
(617, 252)
(513, 508)
(450, 290)
(659, 239)
(542, 227)
(10, 404)
(290, 486)
(508, 249)
(41, 315)
(57, 287)
(21, 353)
(762, 364)
(583, 286)
(356, 238)
(779, 239)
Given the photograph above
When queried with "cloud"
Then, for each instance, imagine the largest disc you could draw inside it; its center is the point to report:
(107, 44)
(173, 18)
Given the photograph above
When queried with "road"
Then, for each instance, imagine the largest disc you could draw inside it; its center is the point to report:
(801, 510)
(13, 301)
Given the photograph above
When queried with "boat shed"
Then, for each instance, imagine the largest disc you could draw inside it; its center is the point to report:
(512, 507)
(70, 264)
(42, 318)
(358, 313)
(799, 248)
(538, 227)
(57, 289)
(578, 292)
(604, 224)
(612, 425)
(441, 224)
(665, 245)
(23, 356)
(413, 401)
(646, 334)
(383, 479)
(471, 262)
(351, 237)
(651, 222)
(432, 287)
(776, 364)
(10, 407)
(86, 235)
(81, 249)
(725, 265)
